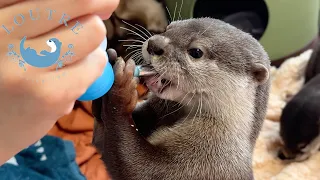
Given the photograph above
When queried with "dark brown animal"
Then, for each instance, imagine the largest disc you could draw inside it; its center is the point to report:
(313, 67)
(300, 123)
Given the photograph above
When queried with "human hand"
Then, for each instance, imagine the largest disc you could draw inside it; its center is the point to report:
(32, 100)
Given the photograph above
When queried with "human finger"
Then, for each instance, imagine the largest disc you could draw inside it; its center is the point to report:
(75, 79)
(5, 3)
(33, 18)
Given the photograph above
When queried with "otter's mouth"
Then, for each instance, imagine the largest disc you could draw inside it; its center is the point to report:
(154, 81)
(157, 84)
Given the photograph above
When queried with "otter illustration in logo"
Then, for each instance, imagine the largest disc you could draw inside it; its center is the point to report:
(45, 59)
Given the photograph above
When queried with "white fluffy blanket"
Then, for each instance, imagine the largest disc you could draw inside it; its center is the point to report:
(287, 80)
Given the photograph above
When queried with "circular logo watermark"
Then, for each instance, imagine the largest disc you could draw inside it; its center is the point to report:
(44, 58)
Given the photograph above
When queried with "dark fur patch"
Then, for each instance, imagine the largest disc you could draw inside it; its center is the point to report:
(300, 118)
(313, 67)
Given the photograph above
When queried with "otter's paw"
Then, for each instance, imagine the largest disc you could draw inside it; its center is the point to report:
(123, 94)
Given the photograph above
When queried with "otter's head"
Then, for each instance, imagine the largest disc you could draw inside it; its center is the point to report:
(207, 57)
(299, 129)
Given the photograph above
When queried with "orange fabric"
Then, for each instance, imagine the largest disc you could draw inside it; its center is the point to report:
(78, 127)
(142, 90)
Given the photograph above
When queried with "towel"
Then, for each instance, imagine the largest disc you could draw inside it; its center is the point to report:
(51, 158)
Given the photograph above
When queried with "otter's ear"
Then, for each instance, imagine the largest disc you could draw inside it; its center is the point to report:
(260, 73)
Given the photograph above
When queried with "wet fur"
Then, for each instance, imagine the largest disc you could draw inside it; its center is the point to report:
(222, 99)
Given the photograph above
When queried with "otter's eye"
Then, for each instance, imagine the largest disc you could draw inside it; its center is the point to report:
(195, 53)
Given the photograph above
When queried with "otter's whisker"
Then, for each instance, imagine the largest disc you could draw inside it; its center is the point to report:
(223, 97)
(205, 29)
(145, 30)
(191, 98)
(131, 40)
(189, 113)
(140, 60)
(132, 45)
(160, 67)
(161, 76)
(133, 58)
(195, 115)
(177, 104)
(135, 33)
(137, 54)
(201, 104)
(180, 10)
(174, 13)
(181, 106)
(169, 15)
(131, 53)
(163, 73)
(136, 29)
(170, 82)
(137, 37)
(166, 84)
(181, 102)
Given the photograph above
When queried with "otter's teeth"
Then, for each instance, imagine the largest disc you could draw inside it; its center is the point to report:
(154, 84)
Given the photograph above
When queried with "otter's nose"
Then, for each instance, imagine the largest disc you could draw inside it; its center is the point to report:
(282, 156)
(154, 47)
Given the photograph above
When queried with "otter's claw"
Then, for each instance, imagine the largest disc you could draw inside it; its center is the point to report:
(112, 54)
(123, 94)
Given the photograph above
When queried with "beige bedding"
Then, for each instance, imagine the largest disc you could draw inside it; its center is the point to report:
(287, 80)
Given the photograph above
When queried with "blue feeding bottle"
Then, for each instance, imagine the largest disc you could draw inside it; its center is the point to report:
(103, 84)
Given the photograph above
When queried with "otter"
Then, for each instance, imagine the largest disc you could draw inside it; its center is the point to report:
(313, 66)
(207, 105)
(300, 123)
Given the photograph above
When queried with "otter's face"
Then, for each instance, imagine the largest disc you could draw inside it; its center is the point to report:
(295, 149)
(202, 55)
(301, 145)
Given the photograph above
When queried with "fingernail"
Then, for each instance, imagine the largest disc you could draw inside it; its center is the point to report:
(104, 16)
(104, 44)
